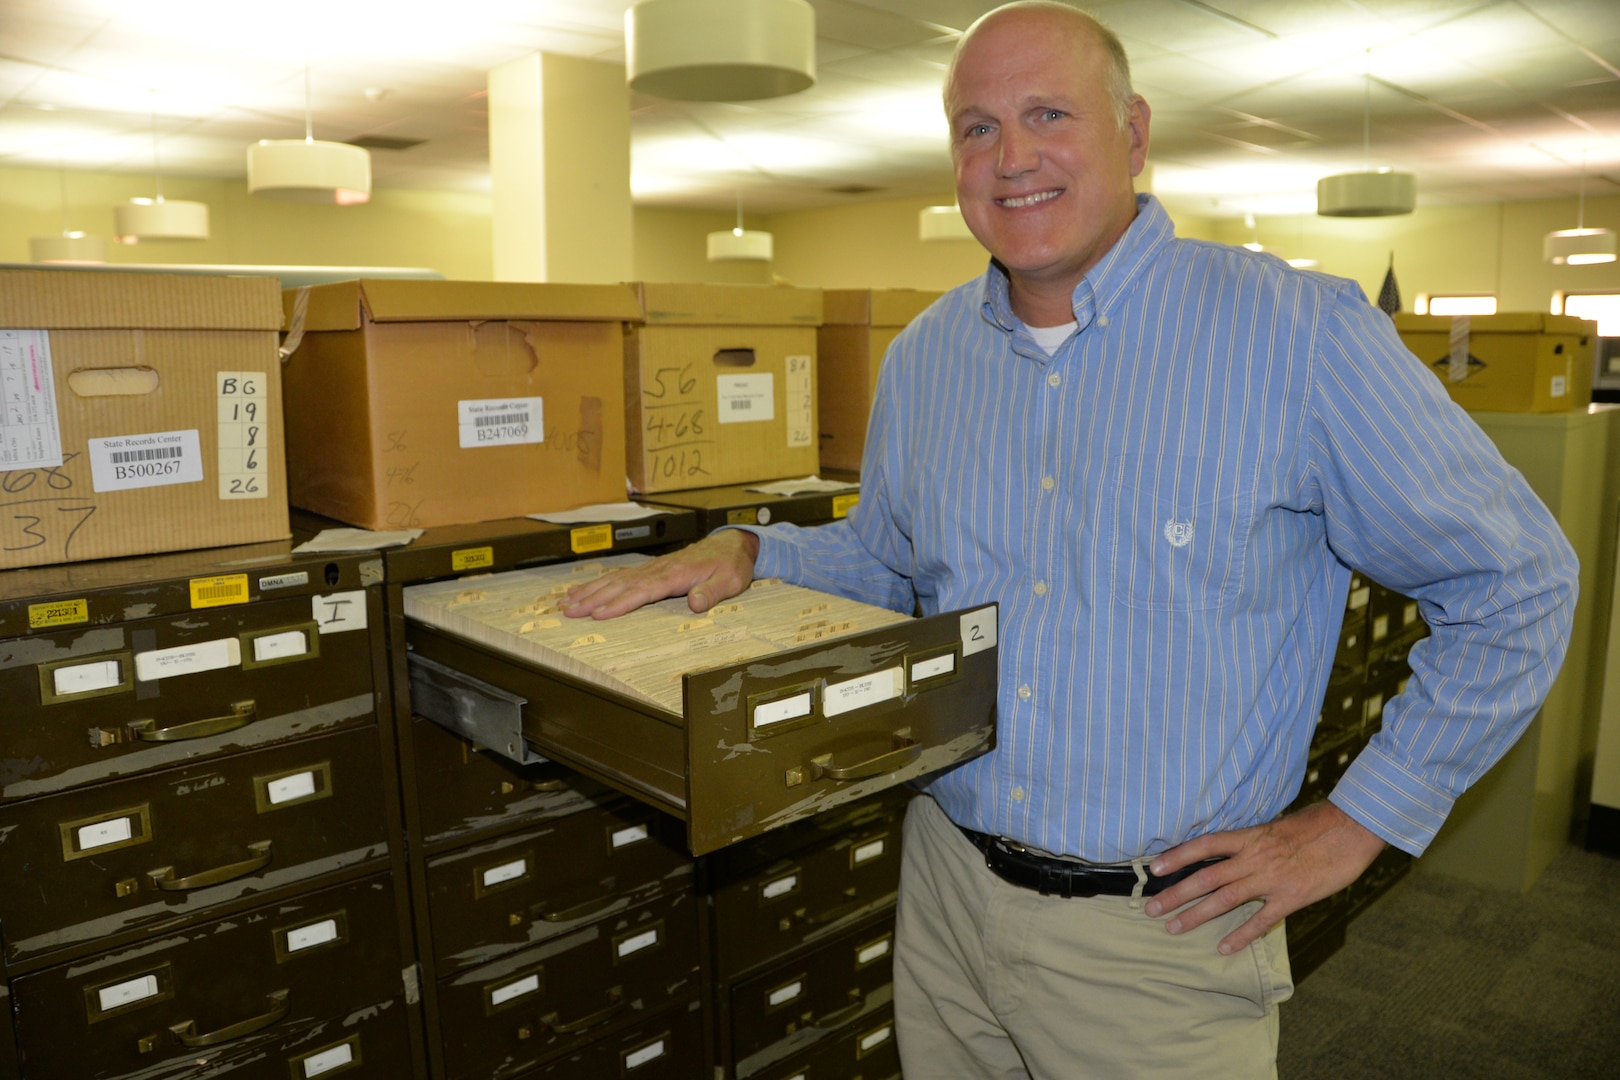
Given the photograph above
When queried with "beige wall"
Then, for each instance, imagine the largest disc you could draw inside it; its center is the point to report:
(672, 245)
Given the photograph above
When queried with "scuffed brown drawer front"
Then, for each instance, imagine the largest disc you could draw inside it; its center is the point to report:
(865, 1049)
(823, 989)
(8, 1044)
(491, 898)
(249, 994)
(91, 705)
(666, 1046)
(507, 1016)
(806, 897)
(148, 851)
(462, 790)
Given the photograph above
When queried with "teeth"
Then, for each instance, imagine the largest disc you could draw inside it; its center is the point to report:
(1029, 200)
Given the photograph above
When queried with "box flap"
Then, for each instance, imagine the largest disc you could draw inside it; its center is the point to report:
(1505, 322)
(729, 305)
(450, 301)
(334, 306)
(98, 300)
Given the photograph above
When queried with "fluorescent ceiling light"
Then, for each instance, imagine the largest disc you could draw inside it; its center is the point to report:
(942, 223)
(720, 50)
(1461, 305)
(1602, 308)
(1304, 264)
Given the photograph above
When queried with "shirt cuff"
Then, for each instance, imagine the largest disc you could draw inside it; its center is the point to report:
(1399, 806)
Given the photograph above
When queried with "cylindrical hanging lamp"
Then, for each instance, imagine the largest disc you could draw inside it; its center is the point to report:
(70, 247)
(1579, 247)
(720, 50)
(942, 223)
(1366, 194)
(741, 244)
(160, 219)
(309, 170)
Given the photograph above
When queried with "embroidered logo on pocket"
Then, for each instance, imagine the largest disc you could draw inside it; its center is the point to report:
(1179, 533)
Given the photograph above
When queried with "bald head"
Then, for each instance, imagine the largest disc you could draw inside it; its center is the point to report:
(1083, 29)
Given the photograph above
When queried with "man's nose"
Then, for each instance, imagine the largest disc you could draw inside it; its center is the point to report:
(1018, 153)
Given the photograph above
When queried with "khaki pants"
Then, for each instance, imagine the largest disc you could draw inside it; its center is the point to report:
(996, 981)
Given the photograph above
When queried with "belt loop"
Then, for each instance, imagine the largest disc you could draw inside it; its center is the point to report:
(1140, 866)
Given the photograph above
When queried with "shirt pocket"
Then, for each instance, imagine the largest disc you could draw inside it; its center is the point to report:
(1179, 531)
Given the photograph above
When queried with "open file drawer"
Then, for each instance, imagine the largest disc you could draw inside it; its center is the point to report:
(758, 744)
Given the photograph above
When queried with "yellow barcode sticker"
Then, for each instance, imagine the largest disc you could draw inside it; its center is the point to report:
(591, 538)
(472, 559)
(843, 504)
(209, 592)
(58, 613)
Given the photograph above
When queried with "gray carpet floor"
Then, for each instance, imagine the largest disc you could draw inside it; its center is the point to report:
(1439, 979)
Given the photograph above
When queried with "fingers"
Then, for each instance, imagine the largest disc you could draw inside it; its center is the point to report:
(708, 572)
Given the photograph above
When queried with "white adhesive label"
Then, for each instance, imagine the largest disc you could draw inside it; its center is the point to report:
(327, 1060)
(307, 937)
(640, 1056)
(287, 788)
(526, 985)
(1380, 628)
(1409, 614)
(779, 887)
(746, 398)
(978, 631)
(243, 434)
(788, 708)
(933, 667)
(277, 646)
(784, 993)
(283, 581)
(801, 396)
(339, 612)
(30, 433)
(111, 997)
(1359, 598)
(103, 833)
(188, 659)
(83, 678)
(632, 835)
(876, 1038)
(1375, 706)
(840, 698)
(501, 421)
(646, 939)
(1558, 387)
(511, 871)
(867, 852)
(868, 953)
(141, 461)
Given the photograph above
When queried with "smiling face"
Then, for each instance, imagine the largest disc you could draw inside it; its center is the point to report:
(1043, 166)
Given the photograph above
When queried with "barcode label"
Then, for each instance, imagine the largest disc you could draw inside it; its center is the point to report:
(154, 454)
(500, 422)
(746, 398)
(503, 418)
(150, 460)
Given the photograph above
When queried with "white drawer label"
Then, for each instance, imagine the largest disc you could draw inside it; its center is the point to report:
(746, 397)
(978, 631)
(297, 786)
(868, 953)
(632, 835)
(1409, 614)
(505, 872)
(340, 611)
(111, 997)
(327, 1060)
(103, 833)
(840, 698)
(867, 852)
(785, 993)
(188, 659)
(526, 985)
(501, 421)
(276, 646)
(641, 941)
(1380, 628)
(788, 708)
(83, 678)
(1375, 706)
(150, 460)
(1359, 598)
(779, 887)
(876, 1038)
(933, 667)
(640, 1056)
(307, 937)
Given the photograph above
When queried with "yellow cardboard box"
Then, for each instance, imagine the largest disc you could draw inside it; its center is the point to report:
(857, 328)
(142, 413)
(1511, 362)
(419, 403)
(720, 385)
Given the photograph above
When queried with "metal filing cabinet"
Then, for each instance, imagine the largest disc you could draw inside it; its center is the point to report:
(200, 781)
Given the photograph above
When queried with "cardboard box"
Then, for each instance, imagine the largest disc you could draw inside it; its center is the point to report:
(412, 404)
(720, 385)
(1512, 362)
(857, 328)
(142, 413)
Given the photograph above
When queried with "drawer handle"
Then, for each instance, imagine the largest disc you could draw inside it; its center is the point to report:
(554, 784)
(590, 1020)
(579, 911)
(905, 752)
(166, 880)
(279, 1003)
(839, 1016)
(834, 914)
(241, 715)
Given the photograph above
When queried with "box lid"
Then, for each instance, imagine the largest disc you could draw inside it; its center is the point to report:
(342, 305)
(728, 305)
(1507, 322)
(874, 307)
(91, 300)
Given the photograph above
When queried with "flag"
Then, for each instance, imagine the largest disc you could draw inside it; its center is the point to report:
(1389, 297)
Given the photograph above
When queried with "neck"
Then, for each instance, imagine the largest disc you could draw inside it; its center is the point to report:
(1040, 303)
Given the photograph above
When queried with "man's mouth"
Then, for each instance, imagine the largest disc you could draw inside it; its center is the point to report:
(1015, 201)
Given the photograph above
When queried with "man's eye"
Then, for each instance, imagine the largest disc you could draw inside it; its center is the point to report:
(1053, 114)
(979, 129)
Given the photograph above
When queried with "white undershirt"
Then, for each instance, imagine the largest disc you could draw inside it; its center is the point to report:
(1049, 338)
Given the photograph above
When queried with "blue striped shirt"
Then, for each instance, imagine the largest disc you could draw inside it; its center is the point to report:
(1167, 510)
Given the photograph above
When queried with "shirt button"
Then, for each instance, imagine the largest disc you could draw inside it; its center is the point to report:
(1023, 693)
(1053, 379)
(1102, 321)
(1047, 483)
(1018, 794)
(1040, 588)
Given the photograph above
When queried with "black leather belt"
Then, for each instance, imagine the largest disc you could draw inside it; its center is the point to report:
(1062, 877)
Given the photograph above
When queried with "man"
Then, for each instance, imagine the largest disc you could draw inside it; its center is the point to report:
(1162, 458)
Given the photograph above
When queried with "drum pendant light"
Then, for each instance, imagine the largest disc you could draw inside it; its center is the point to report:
(1579, 246)
(307, 169)
(942, 223)
(720, 50)
(741, 244)
(1369, 193)
(156, 218)
(72, 246)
